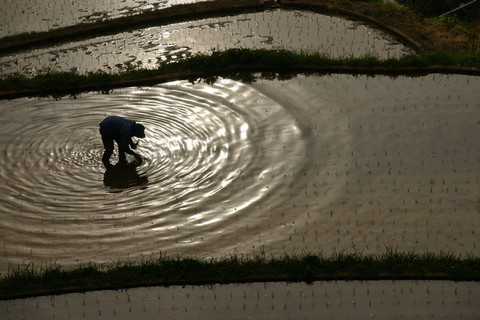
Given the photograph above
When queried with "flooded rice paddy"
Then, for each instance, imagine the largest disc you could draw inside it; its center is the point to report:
(321, 300)
(20, 16)
(317, 164)
(148, 47)
(311, 164)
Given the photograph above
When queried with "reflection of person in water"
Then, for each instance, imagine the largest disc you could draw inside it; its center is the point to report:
(121, 131)
(123, 175)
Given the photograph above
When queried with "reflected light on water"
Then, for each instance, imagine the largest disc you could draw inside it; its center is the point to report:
(244, 130)
(286, 166)
(147, 48)
(26, 16)
(199, 147)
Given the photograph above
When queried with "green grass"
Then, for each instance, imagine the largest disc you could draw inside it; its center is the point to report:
(239, 64)
(165, 271)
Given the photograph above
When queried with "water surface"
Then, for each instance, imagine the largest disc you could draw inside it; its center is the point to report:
(316, 164)
(300, 31)
(331, 300)
(20, 16)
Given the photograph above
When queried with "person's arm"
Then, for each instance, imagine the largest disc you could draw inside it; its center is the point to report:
(132, 144)
(124, 146)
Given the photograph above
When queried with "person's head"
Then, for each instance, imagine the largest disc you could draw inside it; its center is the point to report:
(138, 130)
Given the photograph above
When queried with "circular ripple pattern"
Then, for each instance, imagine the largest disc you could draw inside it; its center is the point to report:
(204, 164)
(312, 163)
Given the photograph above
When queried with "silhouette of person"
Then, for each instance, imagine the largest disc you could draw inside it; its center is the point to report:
(123, 175)
(121, 131)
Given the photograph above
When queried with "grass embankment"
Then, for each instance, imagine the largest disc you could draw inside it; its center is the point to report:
(415, 28)
(239, 64)
(166, 271)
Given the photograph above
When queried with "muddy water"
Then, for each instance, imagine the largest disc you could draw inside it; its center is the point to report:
(326, 300)
(21, 16)
(147, 48)
(316, 164)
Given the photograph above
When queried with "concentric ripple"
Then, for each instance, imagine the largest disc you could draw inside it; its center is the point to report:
(204, 163)
(309, 164)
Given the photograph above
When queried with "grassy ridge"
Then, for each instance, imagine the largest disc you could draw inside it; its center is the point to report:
(165, 271)
(424, 33)
(434, 8)
(238, 64)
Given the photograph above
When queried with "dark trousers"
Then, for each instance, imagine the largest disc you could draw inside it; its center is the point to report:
(107, 145)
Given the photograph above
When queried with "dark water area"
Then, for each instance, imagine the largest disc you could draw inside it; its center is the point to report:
(231, 168)
(123, 175)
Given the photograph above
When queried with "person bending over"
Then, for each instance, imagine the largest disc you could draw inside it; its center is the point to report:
(121, 131)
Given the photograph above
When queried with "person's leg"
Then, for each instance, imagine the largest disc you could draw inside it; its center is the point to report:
(122, 156)
(106, 155)
(108, 146)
